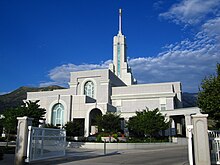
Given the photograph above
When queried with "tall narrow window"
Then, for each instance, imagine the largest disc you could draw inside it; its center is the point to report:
(163, 104)
(162, 107)
(89, 89)
(119, 60)
(57, 114)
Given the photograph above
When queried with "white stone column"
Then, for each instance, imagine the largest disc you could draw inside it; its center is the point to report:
(179, 128)
(86, 126)
(173, 124)
(189, 129)
(188, 121)
(200, 139)
(126, 132)
(22, 139)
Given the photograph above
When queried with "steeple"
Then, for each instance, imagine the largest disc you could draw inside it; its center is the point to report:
(120, 24)
(120, 67)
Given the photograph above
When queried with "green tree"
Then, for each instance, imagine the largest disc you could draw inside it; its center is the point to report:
(209, 97)
(74, 128)
(109, 123)
(147, 123)
(30, 109)
(9, 121)
(33, 110)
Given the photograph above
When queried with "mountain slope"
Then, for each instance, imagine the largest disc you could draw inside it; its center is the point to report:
(189, 99)
(16, 97)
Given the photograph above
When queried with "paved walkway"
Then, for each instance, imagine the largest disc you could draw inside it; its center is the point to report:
(151, 156)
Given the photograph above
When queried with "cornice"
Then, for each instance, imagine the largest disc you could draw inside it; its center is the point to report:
(141, 96)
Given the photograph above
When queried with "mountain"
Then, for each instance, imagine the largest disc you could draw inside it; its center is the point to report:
(189, 99)
(16, 97)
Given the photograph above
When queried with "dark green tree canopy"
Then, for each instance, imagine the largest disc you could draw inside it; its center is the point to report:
(147, 122)
(209, 96)
(33, 110)
(74, 128)
(110, 122)
(9, 121)
(30, 109)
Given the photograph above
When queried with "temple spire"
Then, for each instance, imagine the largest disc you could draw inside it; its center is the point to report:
(120, 66)
(120, 20)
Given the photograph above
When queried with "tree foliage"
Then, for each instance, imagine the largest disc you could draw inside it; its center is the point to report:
(147, 123)
(33, 110)
(109, 123)
(30, 109)
(74, 128)
(209, 96)
(9, 121)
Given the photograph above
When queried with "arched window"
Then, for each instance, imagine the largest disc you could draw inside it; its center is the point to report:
(57, 114)
(89, 89)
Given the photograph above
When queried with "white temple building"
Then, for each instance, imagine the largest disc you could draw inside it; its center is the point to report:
(96, 92)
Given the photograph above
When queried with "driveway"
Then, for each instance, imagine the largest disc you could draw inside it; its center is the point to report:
(152, 156)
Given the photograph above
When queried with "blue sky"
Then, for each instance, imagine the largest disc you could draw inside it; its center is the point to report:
(41, 41)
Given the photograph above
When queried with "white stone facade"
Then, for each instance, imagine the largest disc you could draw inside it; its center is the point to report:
(108, 90)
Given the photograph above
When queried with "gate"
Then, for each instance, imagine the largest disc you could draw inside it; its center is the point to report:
(44, 143)
(214, 142)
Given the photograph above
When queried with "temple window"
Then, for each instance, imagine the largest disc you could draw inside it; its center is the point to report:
(57, 114)
(89, 89)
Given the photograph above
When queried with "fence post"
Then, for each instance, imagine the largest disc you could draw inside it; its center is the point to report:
(200, 139)
(22, 139)
(189, 129)
(188, 121)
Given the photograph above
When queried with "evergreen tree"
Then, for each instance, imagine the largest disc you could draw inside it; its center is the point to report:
(30, 109)
(209, 97)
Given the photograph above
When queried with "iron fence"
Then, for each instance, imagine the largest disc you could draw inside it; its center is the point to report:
(44, 143)
(214, 142)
